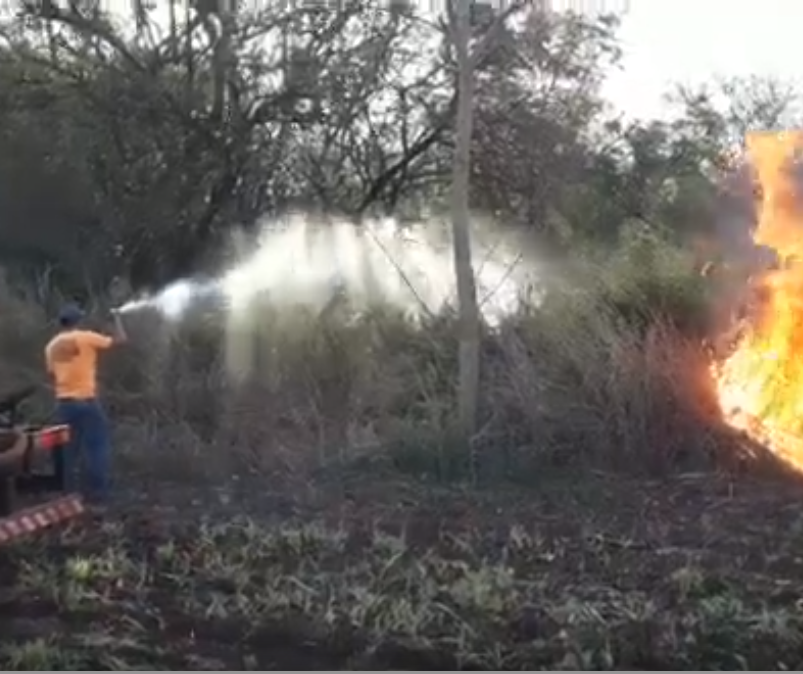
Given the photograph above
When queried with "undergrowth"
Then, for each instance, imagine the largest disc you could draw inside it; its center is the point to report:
(607, 371)
(607, 374)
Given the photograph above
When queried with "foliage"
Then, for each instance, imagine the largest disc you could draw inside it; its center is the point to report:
(156, 145)
(131, 154)
(648, 277)
(596, 373)
(152, 147)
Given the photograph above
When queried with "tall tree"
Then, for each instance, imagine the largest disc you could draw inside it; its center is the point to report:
(469, 324)
(463, 15)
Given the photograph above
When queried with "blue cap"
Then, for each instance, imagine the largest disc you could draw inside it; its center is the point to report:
(70, 314)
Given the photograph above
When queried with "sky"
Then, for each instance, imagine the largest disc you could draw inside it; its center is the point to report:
(692, 41)
(689, 41)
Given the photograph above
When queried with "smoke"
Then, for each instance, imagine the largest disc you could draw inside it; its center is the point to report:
(308, 263)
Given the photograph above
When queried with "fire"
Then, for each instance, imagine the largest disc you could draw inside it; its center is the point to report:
(760, 385)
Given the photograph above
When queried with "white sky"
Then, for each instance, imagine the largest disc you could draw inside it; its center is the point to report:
(693, 40)
(688, 41)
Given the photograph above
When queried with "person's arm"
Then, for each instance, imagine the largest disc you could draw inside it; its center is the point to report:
(96, 340)
(101, 342)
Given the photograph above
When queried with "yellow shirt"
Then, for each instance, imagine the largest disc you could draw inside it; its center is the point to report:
(72, 358)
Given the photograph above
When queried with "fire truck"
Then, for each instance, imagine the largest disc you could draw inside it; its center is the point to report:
(32, 494)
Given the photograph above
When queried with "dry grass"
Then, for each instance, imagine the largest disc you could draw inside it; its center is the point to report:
(575, 381)
(572, 389)
(608, 374)
(599, 378)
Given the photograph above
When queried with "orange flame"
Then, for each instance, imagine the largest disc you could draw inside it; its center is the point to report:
(760, 386)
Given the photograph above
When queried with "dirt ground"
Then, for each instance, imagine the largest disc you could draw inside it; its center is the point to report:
(580, 573)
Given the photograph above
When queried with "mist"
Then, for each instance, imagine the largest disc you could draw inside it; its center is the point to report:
(301, 261)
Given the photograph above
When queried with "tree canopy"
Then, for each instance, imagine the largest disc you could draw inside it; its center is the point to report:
(135, 145)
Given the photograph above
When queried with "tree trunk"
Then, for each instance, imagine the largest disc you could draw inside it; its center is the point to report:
(173, 29)
(468, 321)
(222, 62)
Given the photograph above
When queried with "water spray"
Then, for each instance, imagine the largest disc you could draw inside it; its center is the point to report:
(173, 301)
(304, 263)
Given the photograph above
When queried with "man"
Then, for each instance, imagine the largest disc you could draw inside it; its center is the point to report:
(71, 358)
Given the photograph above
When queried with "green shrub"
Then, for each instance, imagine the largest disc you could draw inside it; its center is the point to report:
(649, 278)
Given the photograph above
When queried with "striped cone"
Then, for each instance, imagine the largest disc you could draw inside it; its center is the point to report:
(38, 517)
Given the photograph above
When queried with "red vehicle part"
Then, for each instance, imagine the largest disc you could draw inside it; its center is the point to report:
(22, 445)
(16, 462)
(39, 517)
(50, 437)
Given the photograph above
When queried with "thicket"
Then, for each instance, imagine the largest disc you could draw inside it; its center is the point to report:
(608, 371)
(134, 148)
(128, 156)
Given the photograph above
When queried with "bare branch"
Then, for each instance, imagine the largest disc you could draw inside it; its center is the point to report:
(489, 39)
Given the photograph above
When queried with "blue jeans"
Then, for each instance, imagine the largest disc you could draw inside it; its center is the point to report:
(89, 433)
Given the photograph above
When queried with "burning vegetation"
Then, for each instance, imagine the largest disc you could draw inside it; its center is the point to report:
(760, 384)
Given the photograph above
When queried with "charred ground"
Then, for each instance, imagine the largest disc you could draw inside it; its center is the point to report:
(585, 572)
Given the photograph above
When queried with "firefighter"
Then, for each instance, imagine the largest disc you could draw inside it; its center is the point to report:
(71, 358)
